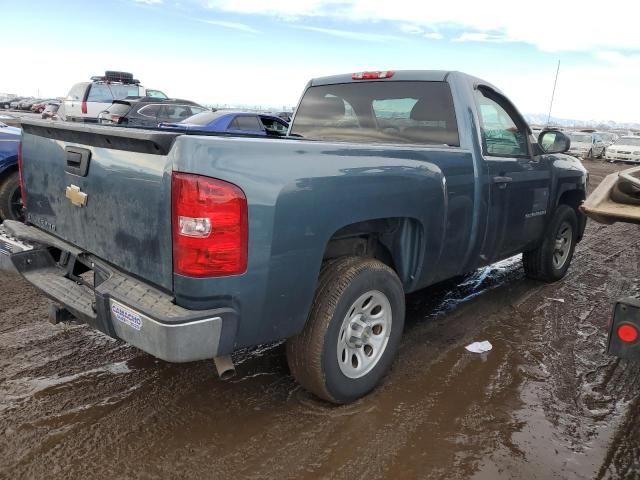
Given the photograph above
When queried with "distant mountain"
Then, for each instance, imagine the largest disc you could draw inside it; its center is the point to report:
(541, 119)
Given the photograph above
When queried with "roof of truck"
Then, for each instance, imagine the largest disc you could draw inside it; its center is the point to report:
(404, 75)
(407, 75)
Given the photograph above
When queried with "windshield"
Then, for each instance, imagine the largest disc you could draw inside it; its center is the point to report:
(156, 94)
(202, 118)
(634, 142)
(379, 112)
(121, 91)
(608, 137)
(580, 137)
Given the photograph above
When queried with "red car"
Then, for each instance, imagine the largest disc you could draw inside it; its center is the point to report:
(40, 106)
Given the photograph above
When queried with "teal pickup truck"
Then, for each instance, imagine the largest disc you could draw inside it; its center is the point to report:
(190, 246)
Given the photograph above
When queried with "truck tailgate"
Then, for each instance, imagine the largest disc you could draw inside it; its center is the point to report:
(105, 190)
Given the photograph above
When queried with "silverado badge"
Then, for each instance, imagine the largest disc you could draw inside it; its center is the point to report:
(78, 198)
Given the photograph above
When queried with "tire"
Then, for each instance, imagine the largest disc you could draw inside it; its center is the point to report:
(321, 357)
(550, 261)
(10, 199)
(625, 193)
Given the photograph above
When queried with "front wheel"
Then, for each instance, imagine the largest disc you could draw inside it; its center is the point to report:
(353, 330)
(11, 207)
(550, 261)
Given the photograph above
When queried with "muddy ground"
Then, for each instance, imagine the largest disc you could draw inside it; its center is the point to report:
(545, 403)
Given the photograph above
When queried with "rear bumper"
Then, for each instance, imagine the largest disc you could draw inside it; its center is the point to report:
(113, 302)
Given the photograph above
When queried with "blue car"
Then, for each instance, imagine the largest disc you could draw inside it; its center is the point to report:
(227, 121)
(10, 199)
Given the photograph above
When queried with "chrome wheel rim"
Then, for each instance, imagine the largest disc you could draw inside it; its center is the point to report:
(562, 245)
(364, 334)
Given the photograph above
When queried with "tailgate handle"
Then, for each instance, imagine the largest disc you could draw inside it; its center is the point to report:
(77, 160)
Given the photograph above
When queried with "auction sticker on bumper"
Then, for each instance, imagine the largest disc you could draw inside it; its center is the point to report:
(126, 315)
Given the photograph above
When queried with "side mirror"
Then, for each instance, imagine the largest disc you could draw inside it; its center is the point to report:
(554, 141)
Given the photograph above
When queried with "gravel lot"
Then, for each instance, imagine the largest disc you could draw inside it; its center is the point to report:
(545, 403)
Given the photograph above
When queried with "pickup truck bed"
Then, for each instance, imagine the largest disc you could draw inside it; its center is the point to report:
(394, 182)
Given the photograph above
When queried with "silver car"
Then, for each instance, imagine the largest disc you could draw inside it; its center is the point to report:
(586, 145)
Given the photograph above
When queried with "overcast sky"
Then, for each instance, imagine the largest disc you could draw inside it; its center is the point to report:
(260, 52)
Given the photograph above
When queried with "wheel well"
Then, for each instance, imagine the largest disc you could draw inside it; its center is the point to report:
(393, 241)
(5, 173)
(574, 198)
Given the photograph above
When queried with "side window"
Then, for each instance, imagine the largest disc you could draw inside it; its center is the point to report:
(156, 94)
(247, 123)
(150, 111)
(272, 125)
(176, 113)
(99, 93)
(502, 136)
(77, 92)
(195, 110)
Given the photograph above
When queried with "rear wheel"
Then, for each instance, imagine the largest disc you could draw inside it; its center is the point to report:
(11, 207)
(550, 261)
(353, 331)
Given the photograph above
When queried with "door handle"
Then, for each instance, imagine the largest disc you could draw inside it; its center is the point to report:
(500, 179)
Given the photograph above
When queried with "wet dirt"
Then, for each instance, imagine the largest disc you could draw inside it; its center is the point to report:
(545, 403)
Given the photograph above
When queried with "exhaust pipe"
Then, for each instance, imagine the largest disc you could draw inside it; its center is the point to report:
(225, 368)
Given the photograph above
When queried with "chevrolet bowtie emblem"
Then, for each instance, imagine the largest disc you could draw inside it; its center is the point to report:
(78, 198)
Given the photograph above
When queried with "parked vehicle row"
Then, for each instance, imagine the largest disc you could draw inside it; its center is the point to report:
(232, 122)
(148, 112)
(590, 144)
(86, 100)
(586, 144)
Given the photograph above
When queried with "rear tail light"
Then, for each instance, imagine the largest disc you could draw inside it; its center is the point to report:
(84, 107)
(210, 226)
(628, 333)
(23, 191)
(372, 75)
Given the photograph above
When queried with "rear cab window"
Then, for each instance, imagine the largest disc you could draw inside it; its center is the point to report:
(396, 112)
(246, 123)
